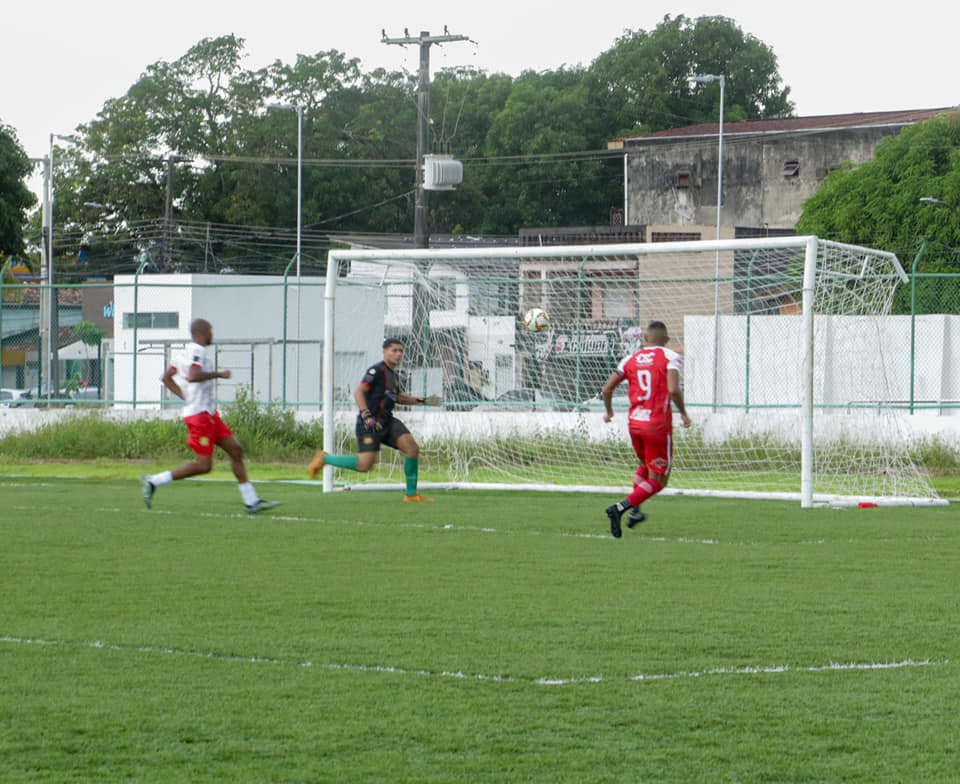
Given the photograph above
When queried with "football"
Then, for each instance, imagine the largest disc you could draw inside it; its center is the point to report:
(535, 320)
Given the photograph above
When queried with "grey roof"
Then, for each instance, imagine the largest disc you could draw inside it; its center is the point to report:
(790, 124)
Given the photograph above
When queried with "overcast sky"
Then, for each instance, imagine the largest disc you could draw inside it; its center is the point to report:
(63, 60)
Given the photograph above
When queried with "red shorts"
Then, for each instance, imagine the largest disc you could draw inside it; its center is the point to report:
(654, 447)
(205, 431)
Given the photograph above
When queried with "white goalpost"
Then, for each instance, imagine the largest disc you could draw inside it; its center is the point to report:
(792, 365)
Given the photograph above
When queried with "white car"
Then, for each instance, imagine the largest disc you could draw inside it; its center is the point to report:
(527, 399)
(14, 397)
(621, 400)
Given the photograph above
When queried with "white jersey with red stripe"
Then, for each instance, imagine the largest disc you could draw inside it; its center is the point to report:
(198, 396)
(646, 374)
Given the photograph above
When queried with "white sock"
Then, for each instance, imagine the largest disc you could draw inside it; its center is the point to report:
(163, 478)
(248, 493)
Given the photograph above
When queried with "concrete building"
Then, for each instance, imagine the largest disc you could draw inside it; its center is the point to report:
(770, 167)
(267, 331)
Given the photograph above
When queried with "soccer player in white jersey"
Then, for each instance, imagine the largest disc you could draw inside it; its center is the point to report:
(653, 378)
(204, 426)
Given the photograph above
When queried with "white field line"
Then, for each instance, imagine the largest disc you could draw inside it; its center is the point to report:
(459, 675)
(421, 526)
(601, 533)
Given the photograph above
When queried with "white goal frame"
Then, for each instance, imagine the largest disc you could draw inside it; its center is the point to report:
(809, 246)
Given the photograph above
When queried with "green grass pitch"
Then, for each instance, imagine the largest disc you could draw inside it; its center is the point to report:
(486, 637)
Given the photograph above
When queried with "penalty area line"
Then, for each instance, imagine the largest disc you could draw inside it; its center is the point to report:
(459, 675)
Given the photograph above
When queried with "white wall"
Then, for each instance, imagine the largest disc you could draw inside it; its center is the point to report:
(247, 314)
(858, 360)
(489, 336)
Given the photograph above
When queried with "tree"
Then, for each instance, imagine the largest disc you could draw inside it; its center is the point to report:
(15, 197)
(642, 82)
(91, 335)
(877, 203)
(549, 114)
(193, 139)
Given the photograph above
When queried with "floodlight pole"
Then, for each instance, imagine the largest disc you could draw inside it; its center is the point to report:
(708, 79)
(299, 110)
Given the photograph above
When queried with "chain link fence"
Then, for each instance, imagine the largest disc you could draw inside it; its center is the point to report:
(108, 342)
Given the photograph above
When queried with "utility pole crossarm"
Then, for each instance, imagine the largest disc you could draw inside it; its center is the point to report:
(424, 39)
(421, 229)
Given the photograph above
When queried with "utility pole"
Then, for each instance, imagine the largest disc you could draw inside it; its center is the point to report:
(168, 215)
(421, 225)
(45, 364)
(49, 306)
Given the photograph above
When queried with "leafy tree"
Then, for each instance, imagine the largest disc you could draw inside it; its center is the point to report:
(89, 333)
(642, 82)
(549, 113)
(194, 137)
(464, 104)
(877, 203)
(15, 197)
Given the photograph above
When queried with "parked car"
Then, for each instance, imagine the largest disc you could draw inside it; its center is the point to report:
(14, 397)
(621, 400)
(460, 396)
(85, 392)
(527, 399)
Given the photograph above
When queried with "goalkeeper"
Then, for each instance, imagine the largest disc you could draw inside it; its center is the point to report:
(376, 395)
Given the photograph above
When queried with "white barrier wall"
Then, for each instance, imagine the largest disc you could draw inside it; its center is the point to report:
(249, 315)
(879, 347)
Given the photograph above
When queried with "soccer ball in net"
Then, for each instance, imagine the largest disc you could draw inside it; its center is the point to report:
(535, 319)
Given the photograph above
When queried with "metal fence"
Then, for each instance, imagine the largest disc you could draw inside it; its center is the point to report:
(107, 343)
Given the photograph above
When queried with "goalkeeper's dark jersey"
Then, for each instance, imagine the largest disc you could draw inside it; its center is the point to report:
(383, 386)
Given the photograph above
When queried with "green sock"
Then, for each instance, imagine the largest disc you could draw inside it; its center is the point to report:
(410, 470)
(342, 461)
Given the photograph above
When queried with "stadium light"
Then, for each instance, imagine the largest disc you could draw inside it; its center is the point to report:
(710, 79)
(933, 200)
(299, 111)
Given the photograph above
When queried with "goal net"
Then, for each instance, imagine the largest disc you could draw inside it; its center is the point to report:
(792, 365)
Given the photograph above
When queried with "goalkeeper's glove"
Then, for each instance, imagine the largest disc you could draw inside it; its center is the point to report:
(369, 421)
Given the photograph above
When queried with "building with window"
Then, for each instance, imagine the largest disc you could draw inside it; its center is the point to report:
(770, 167)
(268, 331)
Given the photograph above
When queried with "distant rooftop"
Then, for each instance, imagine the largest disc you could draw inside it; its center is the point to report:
(406, 241)
(789, 125)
